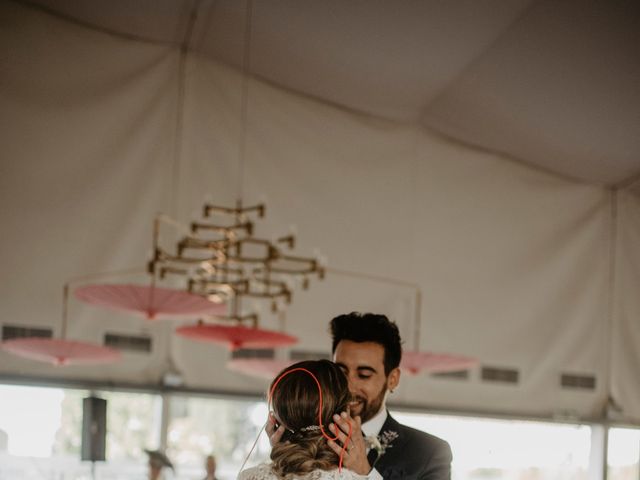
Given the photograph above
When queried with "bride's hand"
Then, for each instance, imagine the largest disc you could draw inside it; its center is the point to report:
(355, 456)
(274, 434)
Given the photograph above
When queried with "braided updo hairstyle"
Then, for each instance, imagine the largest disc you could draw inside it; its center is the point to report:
(295, 403)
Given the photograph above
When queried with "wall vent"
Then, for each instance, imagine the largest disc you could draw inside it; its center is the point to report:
(128, 342)
(584, 382)
(262, 353)
(299, 355)
(10, 332)
(456, 375)
(502, 375)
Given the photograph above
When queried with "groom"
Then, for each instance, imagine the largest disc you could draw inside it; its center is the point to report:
(368, 349)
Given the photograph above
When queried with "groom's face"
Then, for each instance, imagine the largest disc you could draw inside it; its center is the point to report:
(363, 364)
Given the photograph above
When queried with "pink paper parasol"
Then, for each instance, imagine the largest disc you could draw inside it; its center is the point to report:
(413, 362)
(61, 352)
(150, 302)
(235, 337)
(266, 368)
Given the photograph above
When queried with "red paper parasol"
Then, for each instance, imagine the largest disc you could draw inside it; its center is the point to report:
(235, 337)
(150, 302)
(266, 368)
(61, 352)
(413, 362)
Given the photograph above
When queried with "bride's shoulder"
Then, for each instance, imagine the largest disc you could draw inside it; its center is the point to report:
(264, 472)
(345, 474)
(259, 472)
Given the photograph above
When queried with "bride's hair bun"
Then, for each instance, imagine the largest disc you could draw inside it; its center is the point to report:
(295, 402)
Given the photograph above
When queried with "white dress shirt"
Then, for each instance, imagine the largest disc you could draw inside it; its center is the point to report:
(372, 427)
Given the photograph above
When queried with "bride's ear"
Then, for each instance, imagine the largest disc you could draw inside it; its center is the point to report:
(393, 379)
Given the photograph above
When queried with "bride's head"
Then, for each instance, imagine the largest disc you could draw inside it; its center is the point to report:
(295, 401)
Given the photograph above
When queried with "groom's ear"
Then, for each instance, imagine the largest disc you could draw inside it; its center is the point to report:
(393, 379)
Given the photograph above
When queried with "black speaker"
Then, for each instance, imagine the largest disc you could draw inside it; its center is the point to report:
(94, 428)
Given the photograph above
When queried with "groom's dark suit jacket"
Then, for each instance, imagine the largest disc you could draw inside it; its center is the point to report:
(413, 455)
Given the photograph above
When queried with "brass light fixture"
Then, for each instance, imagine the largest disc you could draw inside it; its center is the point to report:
(219, 258)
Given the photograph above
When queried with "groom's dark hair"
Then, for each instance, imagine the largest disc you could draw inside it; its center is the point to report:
(369, 327)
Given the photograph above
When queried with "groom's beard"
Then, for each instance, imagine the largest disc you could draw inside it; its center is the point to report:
(368, 409)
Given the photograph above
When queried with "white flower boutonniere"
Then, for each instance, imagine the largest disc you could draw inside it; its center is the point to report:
(381, 442)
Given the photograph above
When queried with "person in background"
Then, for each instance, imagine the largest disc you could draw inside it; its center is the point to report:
(210, 467)
(157, 462)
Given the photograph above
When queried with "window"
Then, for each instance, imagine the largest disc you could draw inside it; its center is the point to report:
(623, 458)
(491, 449)
(133, 424)
(40, 434)
(40, 437)
(227, 428)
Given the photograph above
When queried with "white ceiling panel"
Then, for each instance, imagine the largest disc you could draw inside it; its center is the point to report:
(162, 21)
(552, 84)
(384, 59)
(560, 90)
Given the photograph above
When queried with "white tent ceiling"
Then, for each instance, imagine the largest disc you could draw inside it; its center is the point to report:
(466, 147)
(552, 84)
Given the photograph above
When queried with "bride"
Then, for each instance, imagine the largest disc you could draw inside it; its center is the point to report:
(303, 452)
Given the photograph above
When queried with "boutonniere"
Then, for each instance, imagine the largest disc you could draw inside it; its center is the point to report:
(381, 442)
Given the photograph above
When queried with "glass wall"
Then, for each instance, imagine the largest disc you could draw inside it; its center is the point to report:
(623, 457)
(40, 434)
(227, 428)
(490, 449)
(40, 438)
(133, 424)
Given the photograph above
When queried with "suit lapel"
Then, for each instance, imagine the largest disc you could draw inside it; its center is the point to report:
(372, 456)
(386, 461)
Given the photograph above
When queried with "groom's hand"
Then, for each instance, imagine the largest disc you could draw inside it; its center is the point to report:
(355, 456)
(274, 434)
